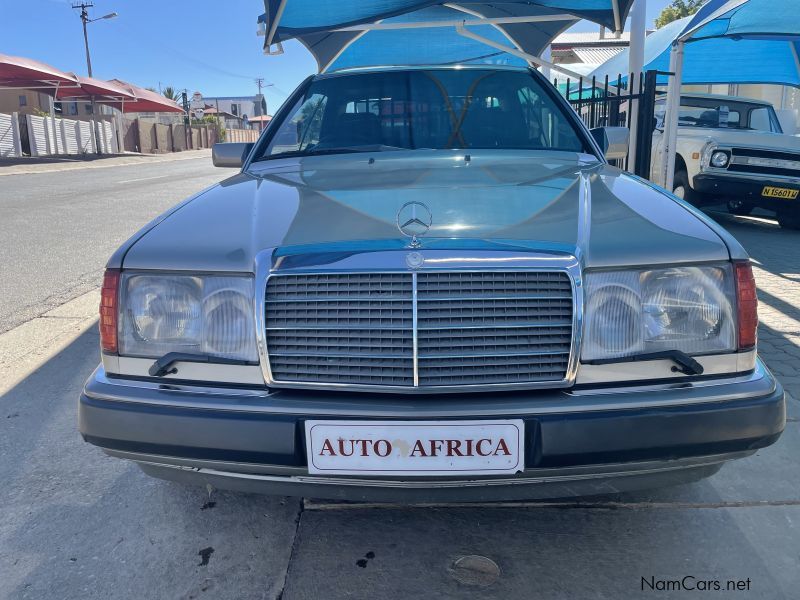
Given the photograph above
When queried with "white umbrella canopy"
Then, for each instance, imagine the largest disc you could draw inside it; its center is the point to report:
(389, 32)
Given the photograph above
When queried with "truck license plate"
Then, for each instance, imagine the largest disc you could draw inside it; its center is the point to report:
(779, 192)
(415, 447)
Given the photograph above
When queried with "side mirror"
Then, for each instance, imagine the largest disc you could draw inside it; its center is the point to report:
(230, 155)
(613, 140)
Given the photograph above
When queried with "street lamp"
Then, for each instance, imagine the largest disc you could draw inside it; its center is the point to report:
(85, 20)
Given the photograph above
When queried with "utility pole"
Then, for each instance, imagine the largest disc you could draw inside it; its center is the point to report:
(83, 6)
(259, 83)
(85, 20)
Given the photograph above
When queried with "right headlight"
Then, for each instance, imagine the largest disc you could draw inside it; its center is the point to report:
(209, 315)
(691, 309)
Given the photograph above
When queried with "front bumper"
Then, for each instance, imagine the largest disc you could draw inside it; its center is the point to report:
(578, 442)
(746, 188)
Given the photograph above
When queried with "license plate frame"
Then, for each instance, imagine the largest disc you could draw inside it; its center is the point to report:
(780, 193)
(485, 455)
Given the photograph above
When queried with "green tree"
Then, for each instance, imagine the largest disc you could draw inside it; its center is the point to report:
(171, 93)
(678, 9)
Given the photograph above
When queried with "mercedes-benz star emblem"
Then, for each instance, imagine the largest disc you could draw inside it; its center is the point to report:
(414, 260)
(414, 219)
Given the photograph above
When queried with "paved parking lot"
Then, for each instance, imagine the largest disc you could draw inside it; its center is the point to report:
(76, 524)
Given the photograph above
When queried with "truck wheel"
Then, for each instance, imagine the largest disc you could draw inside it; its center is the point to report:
(681, 187)
(789, 219)
(739, 207)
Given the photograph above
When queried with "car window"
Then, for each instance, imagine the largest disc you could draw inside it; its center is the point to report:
(437, 109)
(764, 119)
(719, 113)
(303, 128)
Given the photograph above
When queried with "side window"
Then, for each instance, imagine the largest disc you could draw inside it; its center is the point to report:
(302, 129)
(759, 119)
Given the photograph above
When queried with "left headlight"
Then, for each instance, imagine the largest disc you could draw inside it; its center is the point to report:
(691, 309)
(720, 159)
(210, 315)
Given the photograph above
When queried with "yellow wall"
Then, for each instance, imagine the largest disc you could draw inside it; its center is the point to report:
(9, 101)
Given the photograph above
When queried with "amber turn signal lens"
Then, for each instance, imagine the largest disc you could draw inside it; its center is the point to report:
(109, 309)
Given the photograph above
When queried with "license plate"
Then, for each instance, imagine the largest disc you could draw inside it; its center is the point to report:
(415, 447)
(779, 192)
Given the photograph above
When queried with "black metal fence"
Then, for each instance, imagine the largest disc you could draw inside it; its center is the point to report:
(612, 103)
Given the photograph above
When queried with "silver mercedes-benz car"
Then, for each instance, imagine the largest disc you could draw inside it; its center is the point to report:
(428, 284)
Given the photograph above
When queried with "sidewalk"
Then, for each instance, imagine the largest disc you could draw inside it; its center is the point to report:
(48, 164)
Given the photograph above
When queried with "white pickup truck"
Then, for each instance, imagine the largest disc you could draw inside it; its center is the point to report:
(733, 149)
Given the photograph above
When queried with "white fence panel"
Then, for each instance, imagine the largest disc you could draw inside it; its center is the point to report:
(55, 141)
(108, 138)
(9, 135)
(69, 135)
(85, 138)
(39, 135)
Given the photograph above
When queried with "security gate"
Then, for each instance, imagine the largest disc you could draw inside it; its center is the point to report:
(601, 104)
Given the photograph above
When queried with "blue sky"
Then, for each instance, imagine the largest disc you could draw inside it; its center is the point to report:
(200, 45)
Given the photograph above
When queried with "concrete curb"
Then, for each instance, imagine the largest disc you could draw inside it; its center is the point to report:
(30, 345)
(121, 161)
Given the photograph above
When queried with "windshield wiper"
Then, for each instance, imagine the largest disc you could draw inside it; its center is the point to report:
(164, 365)
(684, 363)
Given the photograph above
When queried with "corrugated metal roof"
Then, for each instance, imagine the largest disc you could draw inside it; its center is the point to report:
(596, 56)
(590, 37)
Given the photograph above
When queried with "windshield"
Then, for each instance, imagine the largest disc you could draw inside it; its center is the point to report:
(722, 113)
(434, 109)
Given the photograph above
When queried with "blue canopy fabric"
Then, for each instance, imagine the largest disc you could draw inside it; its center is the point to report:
(756, 51)
(440, 46)
(317, 24)
(749, 19)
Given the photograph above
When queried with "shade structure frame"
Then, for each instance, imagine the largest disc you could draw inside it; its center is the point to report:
(332, 30)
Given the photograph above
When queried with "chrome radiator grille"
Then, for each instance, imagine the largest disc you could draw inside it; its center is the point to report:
(463, 328)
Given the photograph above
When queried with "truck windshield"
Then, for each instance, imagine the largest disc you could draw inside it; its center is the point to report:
(433, 109)
(723, 113)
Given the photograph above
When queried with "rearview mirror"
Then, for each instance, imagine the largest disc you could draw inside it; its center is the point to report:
(612, 140)
(230, 155)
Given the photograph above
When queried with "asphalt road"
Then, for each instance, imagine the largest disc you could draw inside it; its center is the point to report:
(59, 228)
(77, 524)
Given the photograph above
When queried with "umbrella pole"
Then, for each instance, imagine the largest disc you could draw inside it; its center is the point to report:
(670, 136)
(54, 145)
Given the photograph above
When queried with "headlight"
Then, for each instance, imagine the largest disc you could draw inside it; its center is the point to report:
(720, 159)
(194, 314)
(682, 308)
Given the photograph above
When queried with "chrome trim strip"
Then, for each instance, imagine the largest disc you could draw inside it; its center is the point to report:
(263, 264)
(393, 262)
(622, 397)
(529, 477)
(415, 328)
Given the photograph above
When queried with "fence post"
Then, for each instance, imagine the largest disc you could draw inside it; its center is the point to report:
(644, 129)
(15, 139)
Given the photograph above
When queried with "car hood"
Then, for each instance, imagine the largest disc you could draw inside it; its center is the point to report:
(747, 139)
(507, 200)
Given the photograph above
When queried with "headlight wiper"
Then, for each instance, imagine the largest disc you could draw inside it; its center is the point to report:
(684, 363)
(164, 365)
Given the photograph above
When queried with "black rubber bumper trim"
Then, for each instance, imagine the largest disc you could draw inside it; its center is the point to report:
(568, 439)
(738, 187)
